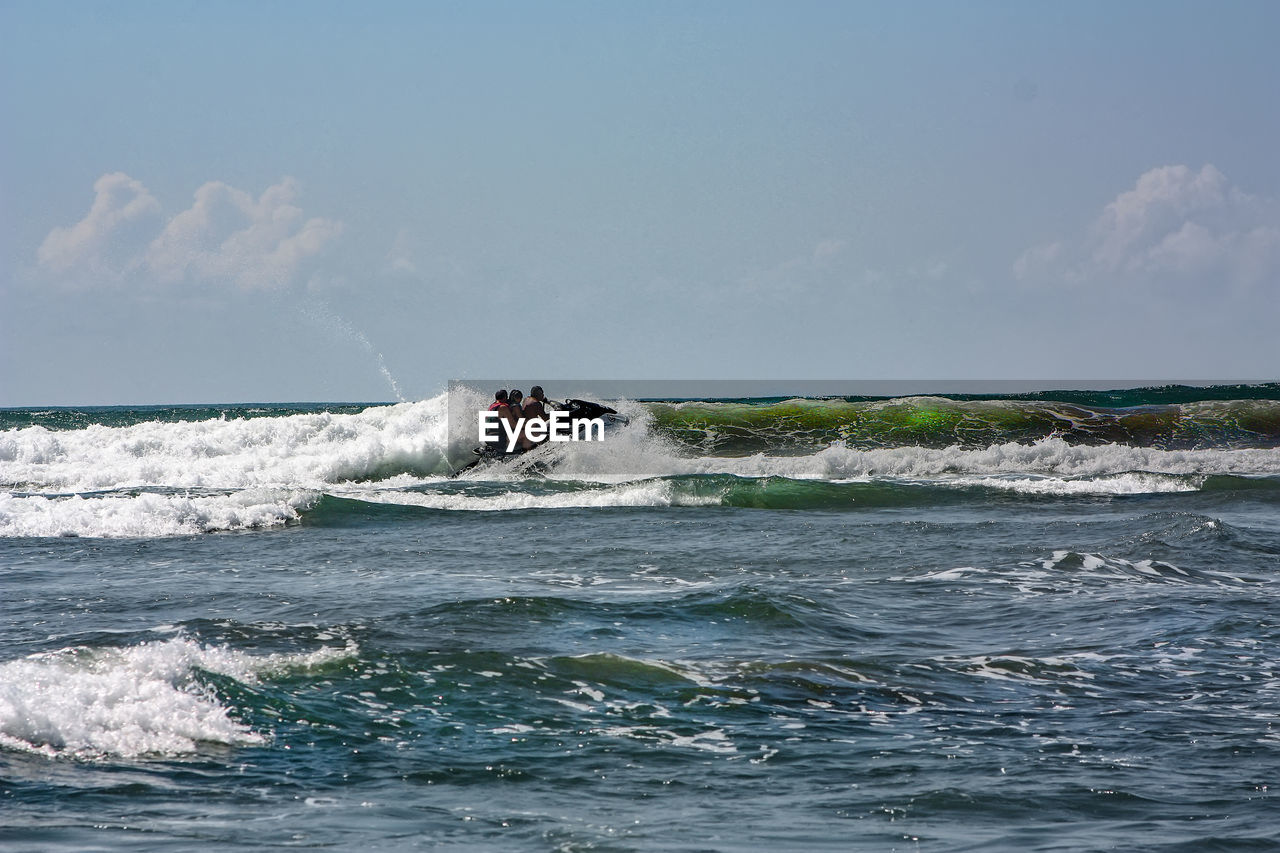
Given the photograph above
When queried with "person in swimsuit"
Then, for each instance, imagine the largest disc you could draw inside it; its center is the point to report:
(535, 409)
(515, 402)
(500, 406)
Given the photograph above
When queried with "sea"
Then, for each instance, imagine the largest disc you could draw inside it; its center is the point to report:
(1031, 622)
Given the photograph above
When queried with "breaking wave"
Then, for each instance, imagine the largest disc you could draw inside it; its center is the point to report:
(152, 698)
(805, 424)
(268, 467)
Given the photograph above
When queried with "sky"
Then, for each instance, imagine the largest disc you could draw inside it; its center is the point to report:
(310, 201)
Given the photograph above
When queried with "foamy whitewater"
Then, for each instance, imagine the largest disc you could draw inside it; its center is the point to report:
(139, 700)
(927, 623)
(165, 478)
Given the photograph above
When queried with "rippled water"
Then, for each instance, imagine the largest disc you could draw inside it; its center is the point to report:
(986, 659)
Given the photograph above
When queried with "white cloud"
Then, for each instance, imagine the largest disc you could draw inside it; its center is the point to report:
(98, 243)
(1038, 259)
(1176, 223)
(400, 256)
(226, 236)
(827, 249)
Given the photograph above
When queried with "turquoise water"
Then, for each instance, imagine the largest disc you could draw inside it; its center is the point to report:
(289, 628)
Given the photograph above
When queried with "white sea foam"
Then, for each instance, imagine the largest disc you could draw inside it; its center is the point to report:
(147, 515)
(312, 451)
(283, 462)
(1133, 483)
(133, 701)
(637, 454)
(1097, 563)
(293, 451)
(1048, 457)
(1067, 572)
(654, 493)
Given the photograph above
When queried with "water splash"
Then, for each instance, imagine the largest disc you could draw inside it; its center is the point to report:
(321, 314)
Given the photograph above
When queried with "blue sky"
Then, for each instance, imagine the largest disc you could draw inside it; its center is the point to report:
(306, 201)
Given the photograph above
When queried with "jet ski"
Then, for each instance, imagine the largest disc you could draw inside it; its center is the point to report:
(587, 410)
(578, 411)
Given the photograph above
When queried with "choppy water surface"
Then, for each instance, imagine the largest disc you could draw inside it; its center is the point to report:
(290, 628)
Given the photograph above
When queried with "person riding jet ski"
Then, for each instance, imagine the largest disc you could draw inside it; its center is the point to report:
(518, 412)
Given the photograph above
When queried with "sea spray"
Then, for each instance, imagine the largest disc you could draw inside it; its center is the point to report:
(320, 314)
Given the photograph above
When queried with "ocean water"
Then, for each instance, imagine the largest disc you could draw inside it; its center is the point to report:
(1047, 623)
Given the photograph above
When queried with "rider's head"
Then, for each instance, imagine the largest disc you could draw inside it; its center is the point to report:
(536, 392)
(500, 395)
(516, 395)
